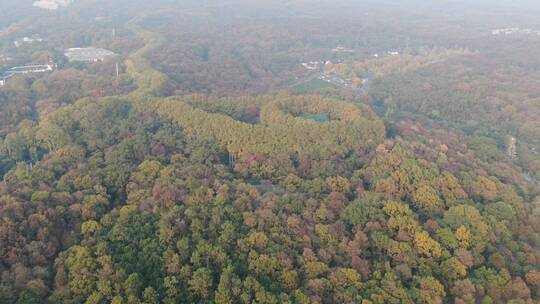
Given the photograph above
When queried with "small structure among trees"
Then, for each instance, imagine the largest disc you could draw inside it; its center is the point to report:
(88, 54)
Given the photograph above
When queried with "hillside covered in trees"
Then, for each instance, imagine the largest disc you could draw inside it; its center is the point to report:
(203, 178)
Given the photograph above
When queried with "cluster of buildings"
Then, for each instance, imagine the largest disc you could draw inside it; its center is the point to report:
(515, 30)
(326, 72)
(389, 53)
(312, 65)
(28, 40)
(334, 79)
(81, 54)
(318, 65)
(89, 54)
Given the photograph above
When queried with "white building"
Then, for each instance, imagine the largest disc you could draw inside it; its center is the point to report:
(514, 30)
(88, 54)
(340, 49)
(312, 65)
(3, 80)
(30, 69)
(52, 4)
(28, 40)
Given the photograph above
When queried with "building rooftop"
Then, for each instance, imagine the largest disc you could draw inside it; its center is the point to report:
(88, 54)
(28, 40)
(52, 4)
(30, 69)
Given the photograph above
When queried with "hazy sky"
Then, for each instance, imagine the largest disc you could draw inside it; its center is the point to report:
(13, 10)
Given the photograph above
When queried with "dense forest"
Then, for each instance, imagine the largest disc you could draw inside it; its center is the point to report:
(200, 174)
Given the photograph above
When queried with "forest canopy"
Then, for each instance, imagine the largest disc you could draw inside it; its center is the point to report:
(190, 167)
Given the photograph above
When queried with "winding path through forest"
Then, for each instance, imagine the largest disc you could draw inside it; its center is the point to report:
(279, 132)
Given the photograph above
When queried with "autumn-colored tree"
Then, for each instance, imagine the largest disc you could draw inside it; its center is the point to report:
(427, 246)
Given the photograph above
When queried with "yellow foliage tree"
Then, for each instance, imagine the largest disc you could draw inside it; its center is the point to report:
(427, 198)
(463, 235)
(427, 246)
